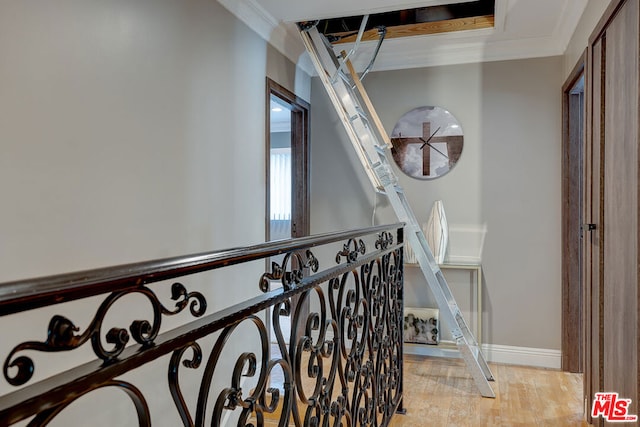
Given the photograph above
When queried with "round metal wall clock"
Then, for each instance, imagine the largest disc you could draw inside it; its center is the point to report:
(427, 142)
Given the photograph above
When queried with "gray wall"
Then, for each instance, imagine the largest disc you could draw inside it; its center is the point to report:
(507, 182)
(593, 11)
(129, 131)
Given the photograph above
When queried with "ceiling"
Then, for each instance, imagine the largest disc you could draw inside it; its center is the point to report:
(522, 29)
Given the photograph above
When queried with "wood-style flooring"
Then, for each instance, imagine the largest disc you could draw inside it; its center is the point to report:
(440, 392)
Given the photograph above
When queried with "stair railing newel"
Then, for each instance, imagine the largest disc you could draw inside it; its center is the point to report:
(370, 141)
(345, 368)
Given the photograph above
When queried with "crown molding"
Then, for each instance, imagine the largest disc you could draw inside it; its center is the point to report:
(283, 37)
(253, 15)
(421, 51)
(431, 52)
(568, 22)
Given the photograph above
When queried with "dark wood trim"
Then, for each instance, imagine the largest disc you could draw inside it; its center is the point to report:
(300, 177)
(29, 294)
(572, 218)
(301, 152)
(577, 72)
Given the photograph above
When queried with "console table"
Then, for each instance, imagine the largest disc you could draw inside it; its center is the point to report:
(476, 273)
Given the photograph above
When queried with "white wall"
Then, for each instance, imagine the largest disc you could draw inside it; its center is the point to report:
(119, 120)
(507, 181)
(580, 39)
(129, 131)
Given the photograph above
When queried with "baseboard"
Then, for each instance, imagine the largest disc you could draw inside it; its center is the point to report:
(527, 356)
(510, 355)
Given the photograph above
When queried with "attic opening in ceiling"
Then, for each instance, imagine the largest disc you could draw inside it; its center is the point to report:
(412, 22)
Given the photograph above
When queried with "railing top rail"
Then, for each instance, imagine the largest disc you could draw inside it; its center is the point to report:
(27, 294)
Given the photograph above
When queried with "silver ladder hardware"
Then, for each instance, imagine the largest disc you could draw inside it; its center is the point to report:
(370, 140)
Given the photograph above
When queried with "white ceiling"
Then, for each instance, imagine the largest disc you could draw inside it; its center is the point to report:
(523, 29)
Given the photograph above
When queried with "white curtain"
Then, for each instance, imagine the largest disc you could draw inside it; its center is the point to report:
(280, 185)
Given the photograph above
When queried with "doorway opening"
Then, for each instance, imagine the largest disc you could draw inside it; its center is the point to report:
(287, 166)
(573, 183)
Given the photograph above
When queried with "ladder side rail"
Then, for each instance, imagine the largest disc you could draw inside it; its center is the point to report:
(449, 311)
(344, 100)
(347, 99)
(426, 262)
(368, 104)
(335, 100)
(356, 45)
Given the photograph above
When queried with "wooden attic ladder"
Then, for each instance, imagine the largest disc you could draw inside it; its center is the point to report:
(370, 141)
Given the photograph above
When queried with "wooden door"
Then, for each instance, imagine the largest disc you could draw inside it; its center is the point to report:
(620, 179)
(612, 174)
(592, 238)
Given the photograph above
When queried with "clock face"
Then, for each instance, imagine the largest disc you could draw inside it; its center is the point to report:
(427, 142)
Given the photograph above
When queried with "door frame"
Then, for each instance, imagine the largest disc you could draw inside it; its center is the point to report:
(300, 159)
(573, 210)
(300, 178)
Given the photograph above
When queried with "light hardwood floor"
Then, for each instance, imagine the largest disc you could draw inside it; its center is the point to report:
(440, 392)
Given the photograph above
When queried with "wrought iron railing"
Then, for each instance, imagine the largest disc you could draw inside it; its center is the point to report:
(341, 363)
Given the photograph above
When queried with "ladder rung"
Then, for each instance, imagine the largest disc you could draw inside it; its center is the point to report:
(380, 150)
(362, 114)
(359, 115)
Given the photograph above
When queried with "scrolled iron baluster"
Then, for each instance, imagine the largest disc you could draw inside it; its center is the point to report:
(276, 273)
(312, 414)
(314, 322)
(60, 337)
(174, 383)
(366, 411)
(385, 239)
(142, 331)
(136, 396)
(232, 397)
(319, 349)
(62, 332)
(339, 412)
(180, 295)
(280, 310)
(357, 320)
(312, 262)
(351, 250)
(287, 275)
(348, 320)
(294, 277)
